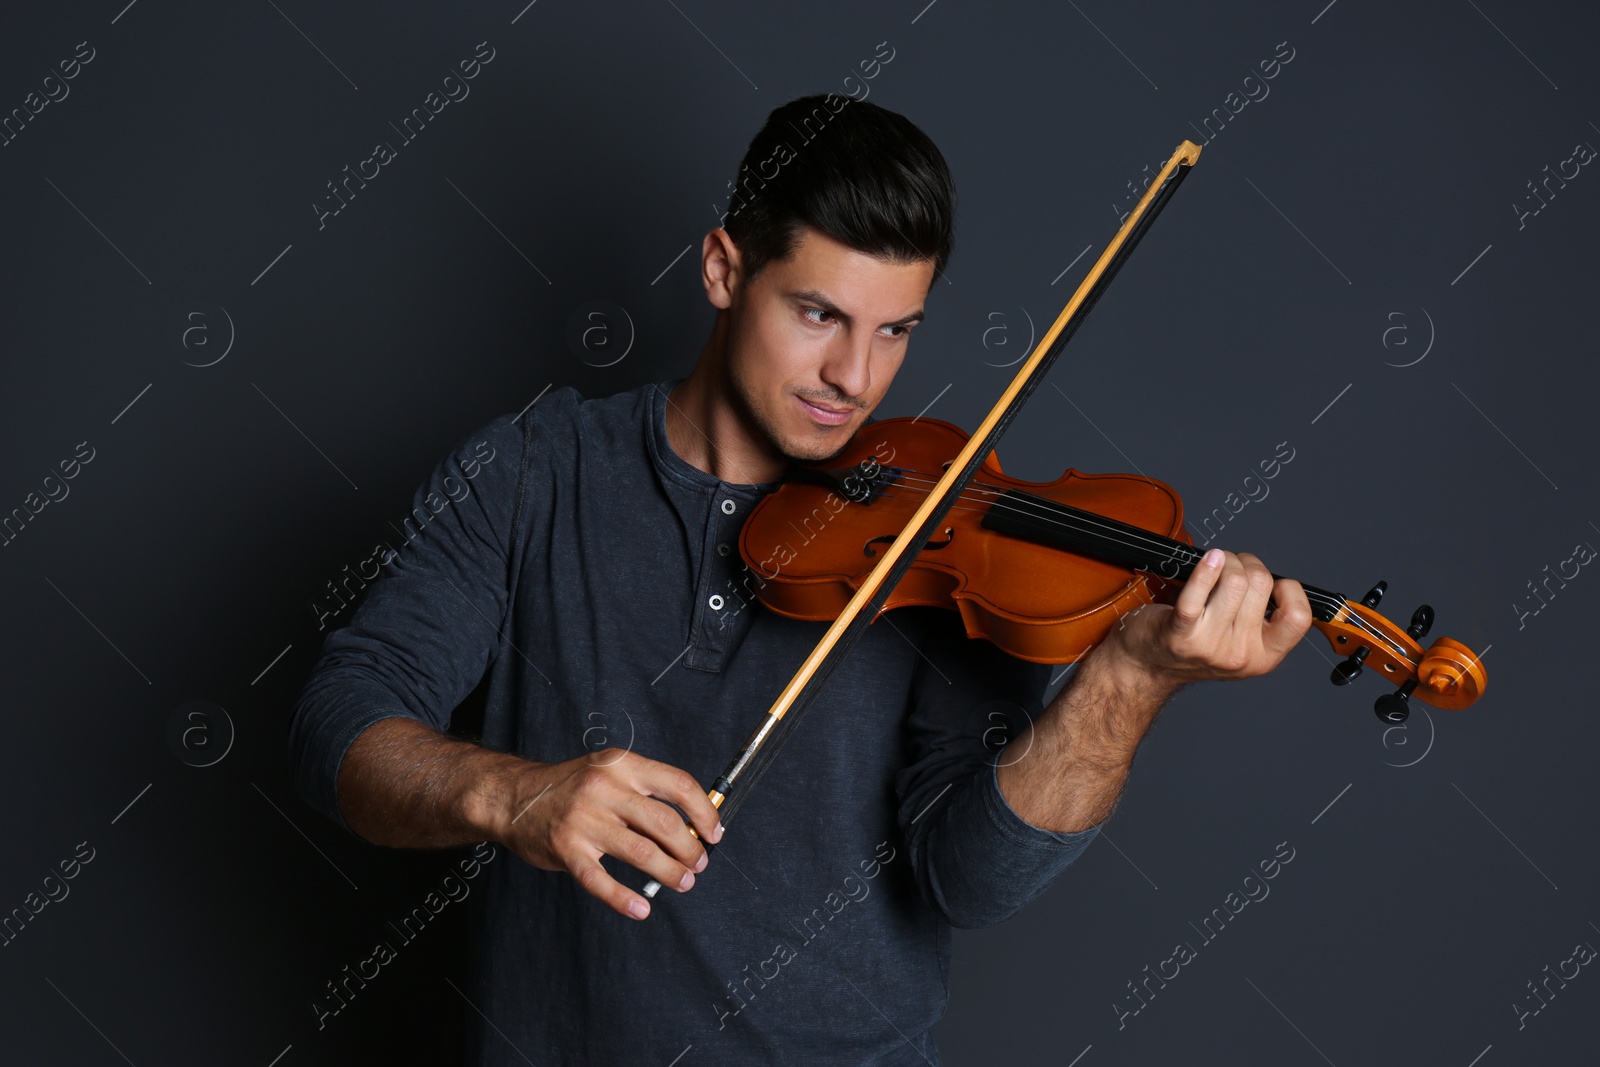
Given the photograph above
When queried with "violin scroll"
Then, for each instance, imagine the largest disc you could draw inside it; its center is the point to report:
(1447, 674)
(1453, 673)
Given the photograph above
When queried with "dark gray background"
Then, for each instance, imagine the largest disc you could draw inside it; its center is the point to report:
(1361, 214)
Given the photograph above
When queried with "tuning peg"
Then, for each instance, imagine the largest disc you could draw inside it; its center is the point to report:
(1394, 707)
(1421, 622)
(1374, 594)
(1347, 670)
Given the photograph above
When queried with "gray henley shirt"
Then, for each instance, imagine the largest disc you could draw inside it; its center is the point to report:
(595, 576)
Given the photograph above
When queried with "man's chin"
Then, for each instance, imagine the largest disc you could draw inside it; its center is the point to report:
(820, 447)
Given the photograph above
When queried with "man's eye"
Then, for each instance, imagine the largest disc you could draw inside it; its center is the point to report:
(808, 312)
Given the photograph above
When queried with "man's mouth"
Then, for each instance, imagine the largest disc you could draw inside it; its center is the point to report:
(827, 415)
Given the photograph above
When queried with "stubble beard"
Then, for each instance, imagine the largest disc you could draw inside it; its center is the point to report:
(751, 410)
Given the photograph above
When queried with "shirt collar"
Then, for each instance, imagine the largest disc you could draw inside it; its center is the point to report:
(681, 470)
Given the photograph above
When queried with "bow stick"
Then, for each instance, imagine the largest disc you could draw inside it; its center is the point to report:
(759, 750)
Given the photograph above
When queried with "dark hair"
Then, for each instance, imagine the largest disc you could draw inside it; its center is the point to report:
(862, 174)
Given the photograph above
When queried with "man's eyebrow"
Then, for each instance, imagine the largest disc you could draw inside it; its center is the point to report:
(812, 296)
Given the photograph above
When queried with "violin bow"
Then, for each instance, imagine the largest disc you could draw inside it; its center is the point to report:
(732, 787)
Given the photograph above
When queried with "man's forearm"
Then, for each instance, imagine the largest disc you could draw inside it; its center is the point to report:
(406, 785)
(1074, 760)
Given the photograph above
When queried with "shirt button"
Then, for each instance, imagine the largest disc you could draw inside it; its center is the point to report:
(715, 602)
(729, 507)
(723, 549)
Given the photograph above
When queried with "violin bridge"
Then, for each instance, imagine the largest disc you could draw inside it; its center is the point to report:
(862, 483)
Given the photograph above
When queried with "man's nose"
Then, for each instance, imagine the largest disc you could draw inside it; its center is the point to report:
(849, 366)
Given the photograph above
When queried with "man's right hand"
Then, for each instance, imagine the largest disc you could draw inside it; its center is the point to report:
(565, 816)
(405, 785)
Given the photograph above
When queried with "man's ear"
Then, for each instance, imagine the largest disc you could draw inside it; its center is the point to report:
(720, 270)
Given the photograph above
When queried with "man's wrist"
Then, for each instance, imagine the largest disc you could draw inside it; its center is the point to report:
(1131, 670)
(1127, 695)
(483, 791)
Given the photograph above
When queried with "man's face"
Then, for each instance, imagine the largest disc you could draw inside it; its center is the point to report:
(816, 339)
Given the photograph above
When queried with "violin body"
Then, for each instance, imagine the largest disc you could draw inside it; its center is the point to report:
(1043, 570)
(811, 547)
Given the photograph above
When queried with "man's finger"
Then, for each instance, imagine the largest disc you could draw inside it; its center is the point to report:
(663, 824)
(1253, 608)
(600, 885)
(669, 783)
(1291, 619)
(643, 854)
(1191, 602)
(1232, 585)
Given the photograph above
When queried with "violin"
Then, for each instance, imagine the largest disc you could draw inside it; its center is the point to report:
(1043, 570)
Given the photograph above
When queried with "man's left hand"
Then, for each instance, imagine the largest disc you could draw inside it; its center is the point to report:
(1217, 627)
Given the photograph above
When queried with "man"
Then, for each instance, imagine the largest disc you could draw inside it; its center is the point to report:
(585, 562)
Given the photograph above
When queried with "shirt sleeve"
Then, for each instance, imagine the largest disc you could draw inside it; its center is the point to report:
(428, 625)
(977, 861)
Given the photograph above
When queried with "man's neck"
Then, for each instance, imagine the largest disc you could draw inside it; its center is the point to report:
(708, 428)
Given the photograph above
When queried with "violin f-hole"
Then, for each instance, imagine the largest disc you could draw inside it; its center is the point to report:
(949, 535)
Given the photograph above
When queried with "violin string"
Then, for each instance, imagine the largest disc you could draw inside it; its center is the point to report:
(1117, 536)
(997, 493)
(1328, 601)
(1120, 537)
(1174, 549)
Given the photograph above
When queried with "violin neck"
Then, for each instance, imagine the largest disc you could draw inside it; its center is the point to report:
(1042, 521)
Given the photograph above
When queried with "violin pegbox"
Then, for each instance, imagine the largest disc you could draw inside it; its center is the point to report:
(1447, 674)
